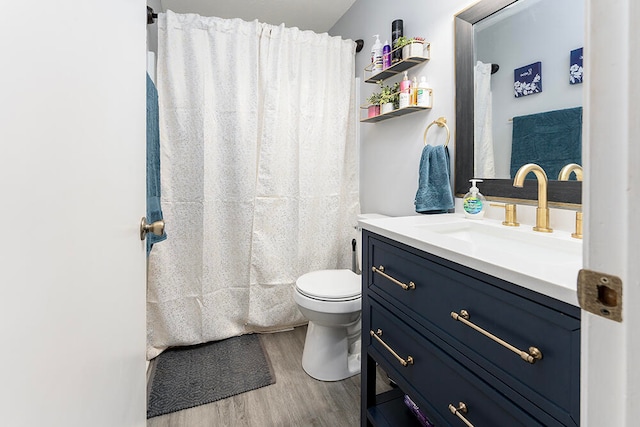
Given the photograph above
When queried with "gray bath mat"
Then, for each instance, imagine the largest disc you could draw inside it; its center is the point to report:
(184, 377)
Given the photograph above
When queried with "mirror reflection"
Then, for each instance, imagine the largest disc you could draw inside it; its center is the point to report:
(528, 91)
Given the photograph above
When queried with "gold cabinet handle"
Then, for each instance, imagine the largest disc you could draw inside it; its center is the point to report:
(403, 362)
(380, 271)
(532, 356)
(459, 411)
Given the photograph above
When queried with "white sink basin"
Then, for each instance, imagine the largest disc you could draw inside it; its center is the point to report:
(544, 262)
(515, 242)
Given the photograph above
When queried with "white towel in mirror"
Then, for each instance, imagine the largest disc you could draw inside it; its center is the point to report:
(483, 165)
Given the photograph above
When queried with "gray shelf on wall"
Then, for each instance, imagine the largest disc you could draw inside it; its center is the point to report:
(394, 113)
(397, 68)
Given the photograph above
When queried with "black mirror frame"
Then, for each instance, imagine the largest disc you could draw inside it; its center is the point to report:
(559, 192)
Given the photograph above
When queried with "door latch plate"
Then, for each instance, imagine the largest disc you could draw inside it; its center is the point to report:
(600, 294)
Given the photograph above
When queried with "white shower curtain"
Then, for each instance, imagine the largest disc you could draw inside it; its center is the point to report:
(259, 174)
(484, 162)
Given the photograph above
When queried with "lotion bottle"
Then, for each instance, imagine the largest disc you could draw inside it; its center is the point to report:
(423, 93)
(474, 203)
(376, 55)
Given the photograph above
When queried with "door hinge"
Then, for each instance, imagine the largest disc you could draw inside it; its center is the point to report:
(600, 294)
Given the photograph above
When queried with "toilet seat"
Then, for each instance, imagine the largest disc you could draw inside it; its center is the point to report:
(330, 285)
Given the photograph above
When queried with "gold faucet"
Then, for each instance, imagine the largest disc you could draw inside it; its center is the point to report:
(564, 175)
(565, 172)
(542, 213)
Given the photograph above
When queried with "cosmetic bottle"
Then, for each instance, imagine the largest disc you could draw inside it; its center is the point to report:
(376, 55)
(386, 55)
(414, 91)
(396, 33)
(405, 91)
(422, 98)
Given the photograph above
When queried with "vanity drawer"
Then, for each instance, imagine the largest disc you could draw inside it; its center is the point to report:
(436, 380)
(443, 288)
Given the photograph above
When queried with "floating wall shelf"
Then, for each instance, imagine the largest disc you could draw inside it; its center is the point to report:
(393, 70)
(398, 67)
(394, 113)
(399, 111)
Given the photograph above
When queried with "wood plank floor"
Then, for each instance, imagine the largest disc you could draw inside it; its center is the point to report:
(295, 399)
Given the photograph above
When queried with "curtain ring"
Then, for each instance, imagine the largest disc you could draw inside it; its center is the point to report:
(441, 122)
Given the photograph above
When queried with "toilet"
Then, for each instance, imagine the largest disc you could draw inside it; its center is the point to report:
(332, 301)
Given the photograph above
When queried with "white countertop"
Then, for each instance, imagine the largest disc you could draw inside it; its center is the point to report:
(547, 263)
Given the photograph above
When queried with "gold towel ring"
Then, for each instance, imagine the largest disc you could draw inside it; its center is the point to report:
(440, 122)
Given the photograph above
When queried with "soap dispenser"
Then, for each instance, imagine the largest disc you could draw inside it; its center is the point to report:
(474, 203)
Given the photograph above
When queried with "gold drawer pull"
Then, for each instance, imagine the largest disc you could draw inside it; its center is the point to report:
(380, 271)
(532, 356)
(403, 362)
(459, 411)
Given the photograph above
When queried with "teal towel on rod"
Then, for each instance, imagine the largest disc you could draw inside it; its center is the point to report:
(551, 140)
(154, 211)
(434, 193)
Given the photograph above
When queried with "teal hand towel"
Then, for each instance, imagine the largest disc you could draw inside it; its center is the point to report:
(434, 193)
(154, 210)
(551, 139)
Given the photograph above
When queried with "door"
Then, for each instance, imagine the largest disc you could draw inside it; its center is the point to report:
(610, 386)
(72, 165)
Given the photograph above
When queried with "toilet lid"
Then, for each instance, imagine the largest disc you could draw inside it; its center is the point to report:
(330, 284)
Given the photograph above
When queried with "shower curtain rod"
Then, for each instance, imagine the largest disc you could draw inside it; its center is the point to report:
(151, 16)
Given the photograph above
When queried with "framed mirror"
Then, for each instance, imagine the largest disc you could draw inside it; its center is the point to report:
(468, 24)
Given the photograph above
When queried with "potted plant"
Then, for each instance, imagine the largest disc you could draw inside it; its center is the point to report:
(411, 47)
(389, 98)
(374, 105)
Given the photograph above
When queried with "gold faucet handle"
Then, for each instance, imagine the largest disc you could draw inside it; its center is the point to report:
(578, 233)
(510, 219)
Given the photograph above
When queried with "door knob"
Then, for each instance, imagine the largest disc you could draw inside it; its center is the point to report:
(156, 228)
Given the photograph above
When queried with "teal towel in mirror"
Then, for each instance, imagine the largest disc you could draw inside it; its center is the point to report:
(434, 193)
(551, 139)
(154, 211)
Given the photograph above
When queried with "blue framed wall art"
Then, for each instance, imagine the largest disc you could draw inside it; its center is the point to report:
(575, 67)
(527, 80)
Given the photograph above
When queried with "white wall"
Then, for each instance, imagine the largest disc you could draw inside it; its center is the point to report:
(390, 150)
(542, 32)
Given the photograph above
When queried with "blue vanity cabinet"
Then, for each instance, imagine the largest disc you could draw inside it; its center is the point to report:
(413, 307)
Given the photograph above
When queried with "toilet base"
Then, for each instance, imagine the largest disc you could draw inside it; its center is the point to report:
(326, 354)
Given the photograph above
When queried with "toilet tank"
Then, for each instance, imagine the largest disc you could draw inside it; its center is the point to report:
(359, 234)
